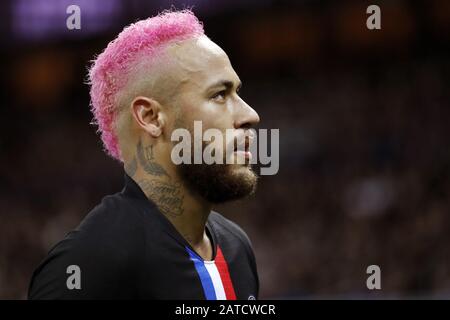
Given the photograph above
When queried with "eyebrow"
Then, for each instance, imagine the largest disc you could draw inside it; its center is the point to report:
(225, 83)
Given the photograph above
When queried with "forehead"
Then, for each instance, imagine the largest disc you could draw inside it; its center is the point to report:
(200, 62)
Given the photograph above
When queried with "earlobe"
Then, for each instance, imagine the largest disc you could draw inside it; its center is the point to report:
(155, 131)
(147, 114)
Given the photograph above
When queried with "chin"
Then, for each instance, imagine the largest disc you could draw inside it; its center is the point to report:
(220, 183)
(245, 177)
(242, 169)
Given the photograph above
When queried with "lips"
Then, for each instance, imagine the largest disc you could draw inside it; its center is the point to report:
(243, 144)
(244, 147)
(247, 155)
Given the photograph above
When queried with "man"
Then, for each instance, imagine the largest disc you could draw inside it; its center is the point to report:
(158, 238)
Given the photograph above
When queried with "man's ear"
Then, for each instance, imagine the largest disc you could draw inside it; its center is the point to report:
(148, 115)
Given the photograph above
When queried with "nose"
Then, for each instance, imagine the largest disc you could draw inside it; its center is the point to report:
(245, 116)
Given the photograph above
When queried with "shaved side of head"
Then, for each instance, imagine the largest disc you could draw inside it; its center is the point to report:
(135, 63)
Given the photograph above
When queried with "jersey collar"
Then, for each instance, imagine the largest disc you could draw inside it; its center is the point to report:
(133, 190)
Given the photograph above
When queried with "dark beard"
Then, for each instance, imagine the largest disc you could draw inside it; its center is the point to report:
(218, 183)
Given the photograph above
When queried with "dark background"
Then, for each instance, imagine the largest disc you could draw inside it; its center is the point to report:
(364, 125)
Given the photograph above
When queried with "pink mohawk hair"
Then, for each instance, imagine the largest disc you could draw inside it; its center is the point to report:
(110, 70)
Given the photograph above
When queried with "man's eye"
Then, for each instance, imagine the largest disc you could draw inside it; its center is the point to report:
(219, 95)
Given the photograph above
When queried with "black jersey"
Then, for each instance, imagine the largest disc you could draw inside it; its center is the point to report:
(125, 248)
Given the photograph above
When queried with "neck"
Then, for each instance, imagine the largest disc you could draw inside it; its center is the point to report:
(186, 211)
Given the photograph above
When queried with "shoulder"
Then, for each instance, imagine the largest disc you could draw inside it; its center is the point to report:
(113, 229)
(105, 247)
(114, 215)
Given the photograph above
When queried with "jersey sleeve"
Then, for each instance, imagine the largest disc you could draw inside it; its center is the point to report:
(96, 261)
(81, 269)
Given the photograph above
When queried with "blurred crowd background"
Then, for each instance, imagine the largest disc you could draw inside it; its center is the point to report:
(364, 119)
